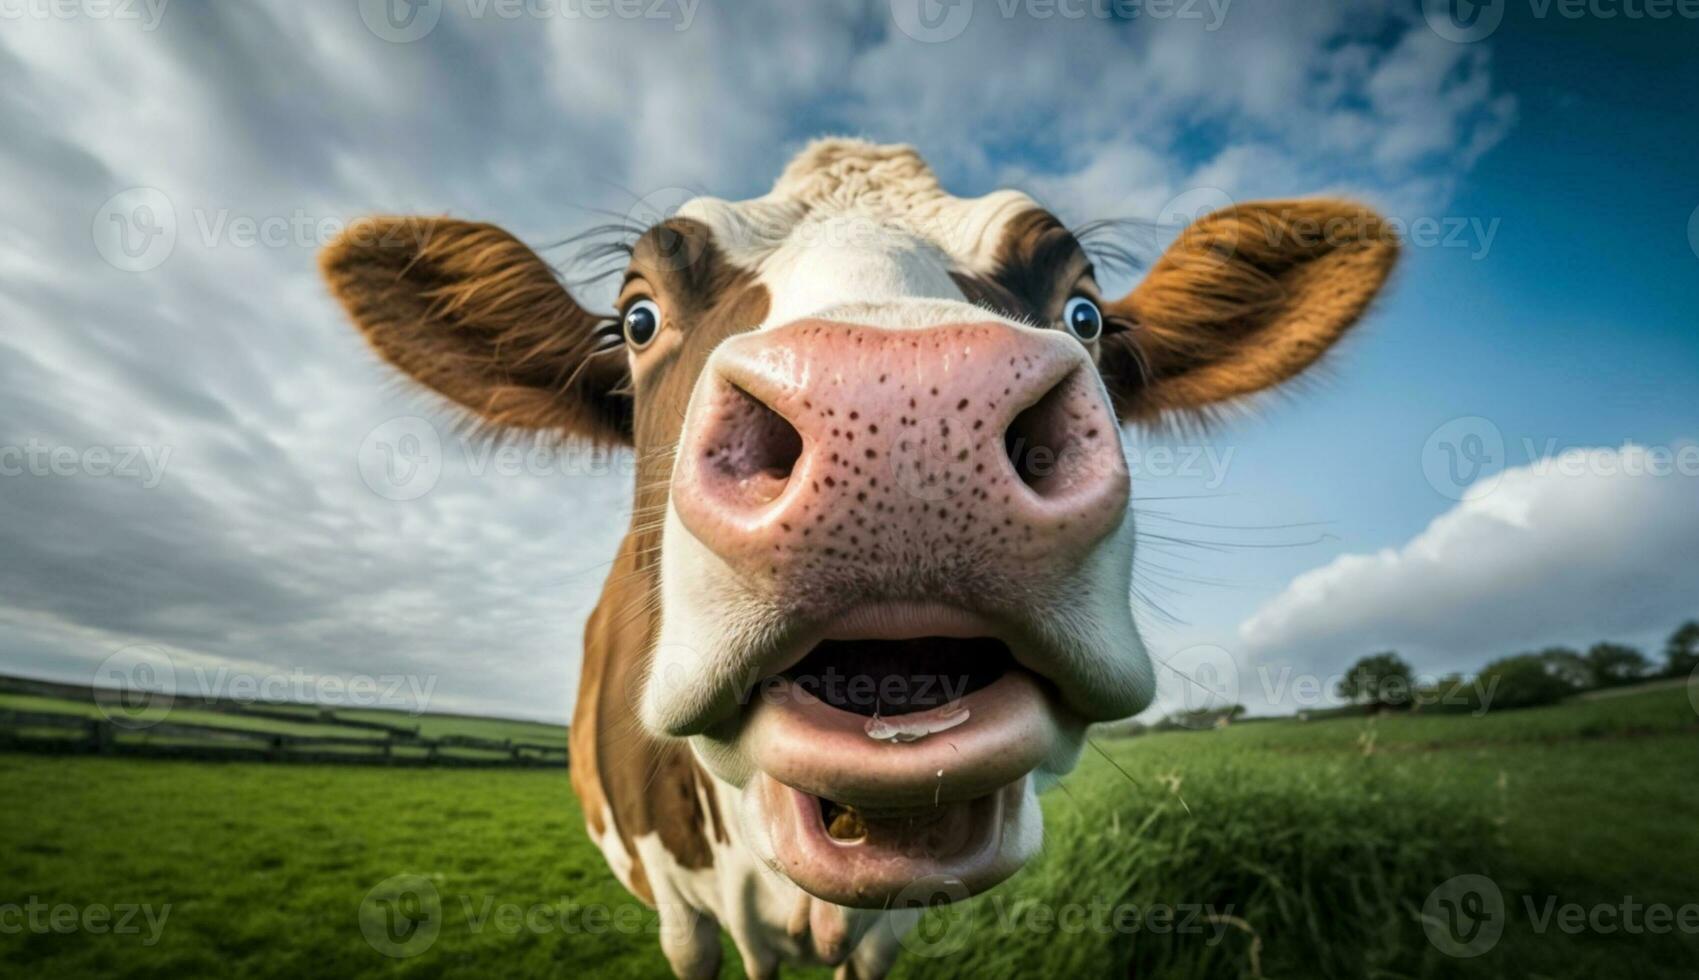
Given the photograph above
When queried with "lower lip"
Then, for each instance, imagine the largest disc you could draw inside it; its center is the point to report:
(962, 846)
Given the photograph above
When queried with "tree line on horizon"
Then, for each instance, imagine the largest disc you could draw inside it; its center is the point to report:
(1385, 681)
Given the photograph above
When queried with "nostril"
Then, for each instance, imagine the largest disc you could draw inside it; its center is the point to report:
(1053, 443)
(752, 449)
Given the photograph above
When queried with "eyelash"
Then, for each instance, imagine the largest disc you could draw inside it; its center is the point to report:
(1113, 324)
(610, 333)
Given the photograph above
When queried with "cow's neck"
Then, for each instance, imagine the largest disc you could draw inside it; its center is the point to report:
(626, 779)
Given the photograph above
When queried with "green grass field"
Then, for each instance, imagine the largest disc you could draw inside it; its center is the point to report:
(1314, 846)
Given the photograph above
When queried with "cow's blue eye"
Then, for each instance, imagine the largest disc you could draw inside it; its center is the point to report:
(642, 321)
(1083, 319)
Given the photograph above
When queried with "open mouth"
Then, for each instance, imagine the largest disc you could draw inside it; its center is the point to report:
(890, 760)
(899, 677)
(868, 858)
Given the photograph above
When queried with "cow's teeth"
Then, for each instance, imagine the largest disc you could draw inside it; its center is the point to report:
(844, 823)
(912, 728)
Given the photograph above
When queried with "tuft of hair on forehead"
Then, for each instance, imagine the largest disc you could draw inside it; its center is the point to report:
(841, 173)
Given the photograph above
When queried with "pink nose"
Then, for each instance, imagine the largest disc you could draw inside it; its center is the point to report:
(849, 451)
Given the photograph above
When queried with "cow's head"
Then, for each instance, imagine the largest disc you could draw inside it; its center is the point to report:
(882, 503)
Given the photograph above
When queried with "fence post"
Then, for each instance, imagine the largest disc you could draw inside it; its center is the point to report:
(100, 736)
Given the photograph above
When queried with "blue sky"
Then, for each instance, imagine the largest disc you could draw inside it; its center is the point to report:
(1559, 315)
(1576, 328)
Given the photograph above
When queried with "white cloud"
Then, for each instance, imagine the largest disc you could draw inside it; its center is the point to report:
(1571, 549)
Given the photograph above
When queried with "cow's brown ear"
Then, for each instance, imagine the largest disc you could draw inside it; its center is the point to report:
(1245, 299)
(472, 313)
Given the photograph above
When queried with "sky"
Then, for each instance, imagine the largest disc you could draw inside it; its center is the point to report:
(191, 435)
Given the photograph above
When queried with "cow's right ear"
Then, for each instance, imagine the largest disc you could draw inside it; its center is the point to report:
(472, 313)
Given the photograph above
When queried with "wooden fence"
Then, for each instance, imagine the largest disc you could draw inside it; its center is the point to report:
(398, 745)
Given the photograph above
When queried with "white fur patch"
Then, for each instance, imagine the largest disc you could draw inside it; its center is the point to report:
(849, 221)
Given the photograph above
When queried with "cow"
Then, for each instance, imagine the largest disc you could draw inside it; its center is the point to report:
(876, 581)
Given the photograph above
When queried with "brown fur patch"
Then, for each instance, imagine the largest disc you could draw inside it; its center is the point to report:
(1038, 264)
(652, 785)
(1245, 299)
(474, 314)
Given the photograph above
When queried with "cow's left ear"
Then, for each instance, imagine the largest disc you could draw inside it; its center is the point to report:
(475, 315)
(1245, 299)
